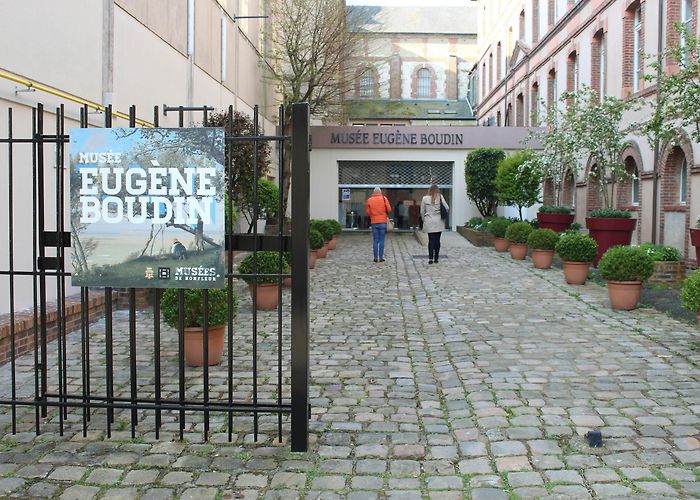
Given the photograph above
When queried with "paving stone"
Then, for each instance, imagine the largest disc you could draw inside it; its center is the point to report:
(488, 494)
(564, 476)
(121, 493)
(506, 464)
(517, 479)
(508, 448)
(199, 494)
(291, 480)
(10, 484)
(67, 473)
(41, 489)
(141, 476)
(475, 466)
(566, 492)
(328, 483)
(611, 490)
(444, 483)
(367, 483)
(404, 483)
(79, 492)
(177, 478)
(159, 494)
(656, 488)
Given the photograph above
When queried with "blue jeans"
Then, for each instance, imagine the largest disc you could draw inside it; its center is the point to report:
(378, 234)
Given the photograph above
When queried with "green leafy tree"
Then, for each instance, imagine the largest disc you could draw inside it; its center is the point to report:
(480, 169)
(518, 181)
(597, 126)
(557, 158)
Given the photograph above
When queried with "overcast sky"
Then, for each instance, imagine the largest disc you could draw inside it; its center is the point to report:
(408, 3)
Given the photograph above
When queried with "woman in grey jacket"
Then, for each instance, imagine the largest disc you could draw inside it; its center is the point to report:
(433, 224)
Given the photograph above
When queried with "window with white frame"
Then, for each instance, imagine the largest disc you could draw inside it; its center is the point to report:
(687, 20)
(602, 67)
(367, 84)
(423, 83)
(683, 182)
(637, 56)
(634, 198)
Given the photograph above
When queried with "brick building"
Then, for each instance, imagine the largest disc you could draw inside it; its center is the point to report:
(530, 51)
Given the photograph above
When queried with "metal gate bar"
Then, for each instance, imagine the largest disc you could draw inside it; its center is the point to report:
(47, 266)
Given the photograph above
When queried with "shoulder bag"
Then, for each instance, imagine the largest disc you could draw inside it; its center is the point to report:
(389, 222)
(443, 210)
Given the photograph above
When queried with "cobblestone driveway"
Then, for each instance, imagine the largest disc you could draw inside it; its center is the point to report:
(474, 378)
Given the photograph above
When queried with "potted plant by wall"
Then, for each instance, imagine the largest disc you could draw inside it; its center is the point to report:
(326, 232)
(609, 228)
(556, 218)
(498, 229)
(193, 313)
(690, 293)
(668, 263)
(602, 145)
(337, 229)
(577, 251)
(542, 242)
(518, 181)
(625, 268)
(695, 240)
(517, 234)
(315, 242)
(476, 231)
(480, 169)
(265, 289)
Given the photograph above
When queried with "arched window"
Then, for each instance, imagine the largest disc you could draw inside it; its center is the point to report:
(423, 83)
(367, 83)
(683, 181)
(499, 63)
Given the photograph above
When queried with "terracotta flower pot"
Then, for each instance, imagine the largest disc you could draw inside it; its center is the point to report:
(313, 255)
(194, 347)
(323, 251)
(332, 244)
(624, 294)
(518, 251)
(542, 259)
(500, 244)
(609, 231)
(555, 222)
(287, 282)
(266, 295)
(576, 273)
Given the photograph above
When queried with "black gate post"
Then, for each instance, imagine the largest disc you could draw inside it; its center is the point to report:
(300, 282)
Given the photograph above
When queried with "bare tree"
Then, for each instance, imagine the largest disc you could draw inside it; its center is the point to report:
(311, 60)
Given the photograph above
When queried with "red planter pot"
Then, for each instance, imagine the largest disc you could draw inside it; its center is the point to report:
(608, 232)
(313, 255)
(266, 295)
(695, 241)
(322, 252)
(332, 243)
(555, 222)
(194, 348)
(518, 251)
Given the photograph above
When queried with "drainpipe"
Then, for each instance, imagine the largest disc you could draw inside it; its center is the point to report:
(655, 177)
(107, 52)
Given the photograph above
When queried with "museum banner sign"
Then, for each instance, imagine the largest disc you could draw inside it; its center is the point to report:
(147, 207)
(419, 137)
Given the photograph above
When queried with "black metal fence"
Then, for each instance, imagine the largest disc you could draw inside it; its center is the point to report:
(93, 374)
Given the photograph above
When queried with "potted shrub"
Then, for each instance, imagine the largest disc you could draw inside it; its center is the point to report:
(609, 228)
(668, 263)
(695, 240)
(315, 242)
(542, 242)
(577, 251)
(264, 289)
(518, 181)
(556, 218)
(517, 234)
(480, 169)
(690, 293)
(337, 229)
(326, 232)
(476, 231)
(625, 268)
(287, 256)
(193, 313)
(498, 229)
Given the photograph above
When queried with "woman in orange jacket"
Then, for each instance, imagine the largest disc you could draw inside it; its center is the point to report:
(378, 208)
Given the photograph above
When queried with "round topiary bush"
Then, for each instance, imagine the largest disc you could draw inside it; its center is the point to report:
(690, 293)
(315, 239)
(576, 247)
(498, 227)
(542, 239)
(194, 307)
(554, 209)
(264, 262)
(324, 228)
(518, 232)
(335, 225)
(626, 263)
